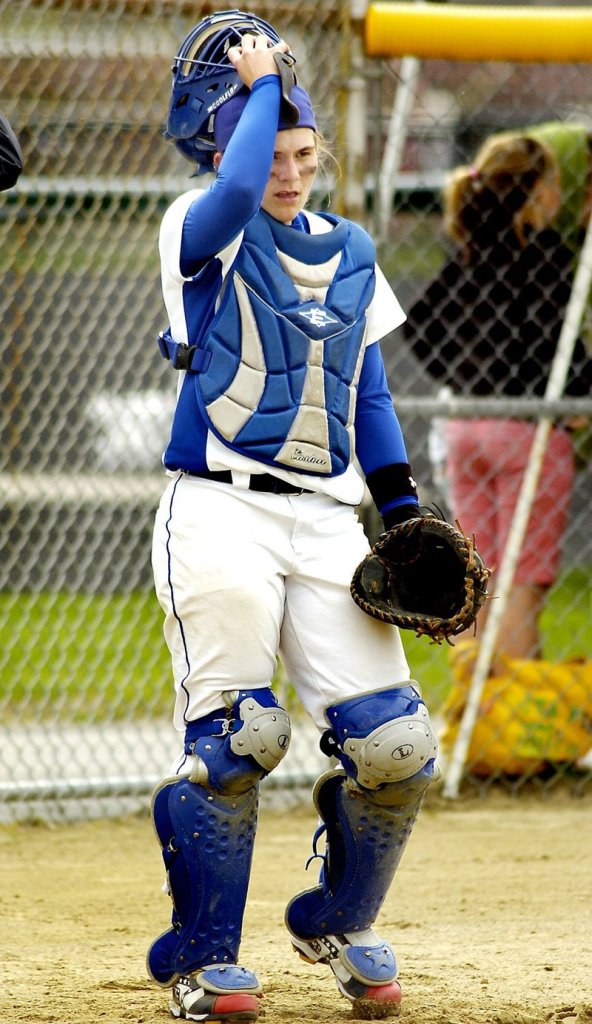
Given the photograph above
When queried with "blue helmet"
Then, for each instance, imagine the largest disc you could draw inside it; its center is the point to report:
(204, 79)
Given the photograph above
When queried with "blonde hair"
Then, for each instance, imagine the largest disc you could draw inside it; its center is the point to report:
(327, 159)
(507, 168)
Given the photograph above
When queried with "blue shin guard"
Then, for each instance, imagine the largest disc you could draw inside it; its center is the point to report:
(366, 834)
(331, 923)
(206, 826)
(207, 842)
(386, 745)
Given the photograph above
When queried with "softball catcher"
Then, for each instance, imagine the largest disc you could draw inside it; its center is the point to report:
(274, 318)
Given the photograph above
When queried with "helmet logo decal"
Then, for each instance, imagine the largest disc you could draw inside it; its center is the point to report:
(222, 99)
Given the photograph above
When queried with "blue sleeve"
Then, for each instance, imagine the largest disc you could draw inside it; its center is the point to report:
(380, 446)
(379, 438)
(214, 219)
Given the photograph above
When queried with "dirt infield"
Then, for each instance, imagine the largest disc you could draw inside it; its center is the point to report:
(491, 917)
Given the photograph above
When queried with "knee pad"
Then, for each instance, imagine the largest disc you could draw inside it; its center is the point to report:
(206, 823)
(381, 737)
(231, 749)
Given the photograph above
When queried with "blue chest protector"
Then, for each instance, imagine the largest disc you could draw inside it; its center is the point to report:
(278, 364)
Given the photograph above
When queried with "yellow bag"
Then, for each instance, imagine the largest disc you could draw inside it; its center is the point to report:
(537, 713)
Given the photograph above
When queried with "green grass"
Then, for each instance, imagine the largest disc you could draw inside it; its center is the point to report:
(565, 622)
(75, 655)
(100, 657)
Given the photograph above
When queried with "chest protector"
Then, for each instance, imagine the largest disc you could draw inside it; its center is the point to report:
(283, 354)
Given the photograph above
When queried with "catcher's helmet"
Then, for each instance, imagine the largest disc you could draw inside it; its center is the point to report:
(204, 79)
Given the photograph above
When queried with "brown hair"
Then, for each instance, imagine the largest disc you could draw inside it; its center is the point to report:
(327, 158)
(506, 171)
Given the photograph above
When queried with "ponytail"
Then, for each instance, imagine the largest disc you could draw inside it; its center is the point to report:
(502, 180)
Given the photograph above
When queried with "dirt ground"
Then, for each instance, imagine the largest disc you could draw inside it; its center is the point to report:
(490, 914)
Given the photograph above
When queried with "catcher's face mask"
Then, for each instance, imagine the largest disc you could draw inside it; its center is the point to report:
(204, 79)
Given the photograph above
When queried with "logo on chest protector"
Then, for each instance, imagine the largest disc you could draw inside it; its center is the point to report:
(318, 317)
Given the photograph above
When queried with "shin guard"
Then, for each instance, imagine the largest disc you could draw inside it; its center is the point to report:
(207, 842)
(206, 826)
(387, 748)
(366, 834)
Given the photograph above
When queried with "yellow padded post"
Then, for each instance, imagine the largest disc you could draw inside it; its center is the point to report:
(467, 32)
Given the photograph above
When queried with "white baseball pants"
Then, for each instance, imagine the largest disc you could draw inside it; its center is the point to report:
(243, 577)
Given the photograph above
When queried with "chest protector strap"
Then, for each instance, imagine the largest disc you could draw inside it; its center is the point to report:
(283, 354)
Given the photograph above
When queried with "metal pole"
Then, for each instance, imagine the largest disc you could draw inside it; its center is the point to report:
(395, 140)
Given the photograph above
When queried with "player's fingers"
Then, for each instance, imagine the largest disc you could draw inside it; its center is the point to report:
(254, 56)
(262, 42)
(253, 42)
(281, 47)
(248, 44)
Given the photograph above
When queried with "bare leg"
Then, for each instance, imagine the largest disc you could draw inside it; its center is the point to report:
(519, 635)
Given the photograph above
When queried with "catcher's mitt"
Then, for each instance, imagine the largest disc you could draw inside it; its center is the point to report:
(423, 574)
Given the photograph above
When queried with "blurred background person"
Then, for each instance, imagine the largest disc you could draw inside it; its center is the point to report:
(488, 325)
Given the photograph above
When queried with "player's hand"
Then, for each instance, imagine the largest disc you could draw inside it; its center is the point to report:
(254, 57)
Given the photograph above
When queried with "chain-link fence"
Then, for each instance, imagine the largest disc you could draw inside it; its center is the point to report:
(86, 399)
(463, 387)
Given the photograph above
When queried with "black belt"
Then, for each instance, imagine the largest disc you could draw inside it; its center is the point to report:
(264, 482)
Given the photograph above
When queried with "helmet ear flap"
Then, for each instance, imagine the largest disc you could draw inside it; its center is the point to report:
(192, 108)
(197, 152)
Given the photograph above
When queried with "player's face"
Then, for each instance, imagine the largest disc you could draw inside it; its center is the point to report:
(294, 166)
